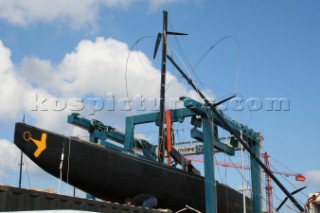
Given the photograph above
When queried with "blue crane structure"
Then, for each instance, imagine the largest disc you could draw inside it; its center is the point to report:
(100, 133)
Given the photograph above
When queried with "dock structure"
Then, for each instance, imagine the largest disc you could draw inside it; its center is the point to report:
(19, 199)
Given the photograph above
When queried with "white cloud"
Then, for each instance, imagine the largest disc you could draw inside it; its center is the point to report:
(95, 69)
(26, 12)
(17, 94)
(10, 86)
(76, 13)
(99, 68)
(313, 177)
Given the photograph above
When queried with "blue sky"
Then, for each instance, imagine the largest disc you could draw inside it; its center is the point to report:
(274, 53)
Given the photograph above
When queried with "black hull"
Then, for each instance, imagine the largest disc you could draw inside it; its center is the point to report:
(114, 176)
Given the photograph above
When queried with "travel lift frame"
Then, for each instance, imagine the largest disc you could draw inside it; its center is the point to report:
(99, 133)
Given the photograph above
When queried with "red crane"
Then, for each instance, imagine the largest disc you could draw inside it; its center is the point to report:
(268, 184)
(298, 176)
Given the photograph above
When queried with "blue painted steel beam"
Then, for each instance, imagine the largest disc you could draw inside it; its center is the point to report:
(210, 190)
(256, 179)
(197, 107)
(98, 131)
(198, 135)
(248, 134)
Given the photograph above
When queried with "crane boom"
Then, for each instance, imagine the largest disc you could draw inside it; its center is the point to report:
(298, 176)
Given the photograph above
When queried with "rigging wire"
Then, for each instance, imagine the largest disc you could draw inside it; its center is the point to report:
(193, 69)
(128, 57)
(291, 184)
(277, 161)
(198, 92)
(293, 208)
(184, 59)
(27, 172)
(68, 167)
(199, 79)
(237, 74)
(238, 57)
(283, 176)
(126, 67)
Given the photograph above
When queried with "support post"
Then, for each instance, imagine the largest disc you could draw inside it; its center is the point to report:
(256, 178)
(210, 192)
(129, 136)
(20, 173)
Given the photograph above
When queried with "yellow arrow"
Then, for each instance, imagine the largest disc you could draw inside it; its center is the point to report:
(41, 144)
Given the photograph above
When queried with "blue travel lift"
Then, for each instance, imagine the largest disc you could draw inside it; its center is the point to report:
(100, 133)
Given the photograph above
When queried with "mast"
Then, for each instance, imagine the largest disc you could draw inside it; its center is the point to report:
(163, 36)
(162, 87)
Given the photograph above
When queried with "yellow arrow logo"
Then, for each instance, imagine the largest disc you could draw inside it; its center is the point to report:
(41, 144)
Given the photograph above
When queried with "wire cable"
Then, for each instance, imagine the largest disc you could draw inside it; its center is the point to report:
(127, 61)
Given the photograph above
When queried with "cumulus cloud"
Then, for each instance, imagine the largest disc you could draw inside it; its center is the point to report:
(91, 80)
(11, 86)
(77, 13)
(313, 177)
(17, 94)
(22, 13)
(98, 68)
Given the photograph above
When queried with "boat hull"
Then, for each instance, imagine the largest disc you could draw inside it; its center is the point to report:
(114, 175)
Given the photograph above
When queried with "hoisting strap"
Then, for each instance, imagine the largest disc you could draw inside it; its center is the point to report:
(169, 135)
